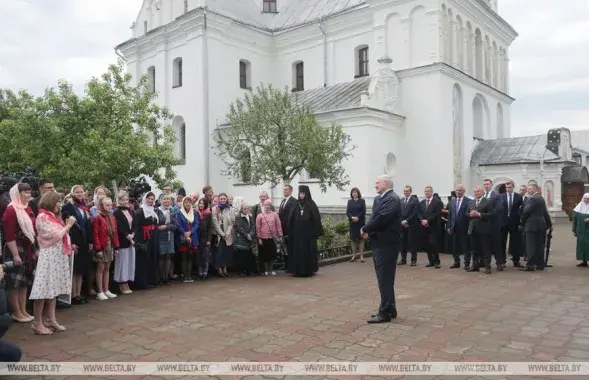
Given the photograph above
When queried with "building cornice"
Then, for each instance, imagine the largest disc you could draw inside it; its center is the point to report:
(456, 74)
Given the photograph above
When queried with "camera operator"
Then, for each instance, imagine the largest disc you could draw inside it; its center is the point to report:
(8, 352)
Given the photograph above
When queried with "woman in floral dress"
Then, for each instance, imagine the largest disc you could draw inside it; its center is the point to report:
(52, 275)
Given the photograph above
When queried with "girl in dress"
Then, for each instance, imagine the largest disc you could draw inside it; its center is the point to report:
(125, 262)
(223, 220)
(106, 246)
(205, 237)
(52, 275)
(146, 244)
(18, 224)
(188, 231)
(269, 230)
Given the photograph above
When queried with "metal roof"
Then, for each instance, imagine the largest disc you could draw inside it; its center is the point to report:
(290, 12)
(512, 151)
(336, 97)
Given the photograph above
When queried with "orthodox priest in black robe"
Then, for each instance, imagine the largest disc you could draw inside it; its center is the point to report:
(304, 228)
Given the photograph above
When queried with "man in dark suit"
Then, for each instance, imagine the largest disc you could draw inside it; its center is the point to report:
(534, 221)
(510, 218)
(409, 227)
(45, 185)
(481, 230)
(458, 227)
(384, 230)
(428, 214)
(286, 206)
(495, 198)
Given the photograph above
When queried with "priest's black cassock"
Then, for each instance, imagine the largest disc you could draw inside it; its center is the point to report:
(304, 229)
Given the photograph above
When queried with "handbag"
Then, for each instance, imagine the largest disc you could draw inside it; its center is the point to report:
(276, 239)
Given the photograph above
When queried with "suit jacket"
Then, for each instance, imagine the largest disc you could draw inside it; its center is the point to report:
(409, 211)
(484, 224)
(384, 227)
(284, 212)
(495, 198)
(80, 234)
(458, 219)
(432, 213)
(535, 216)
(511, 221)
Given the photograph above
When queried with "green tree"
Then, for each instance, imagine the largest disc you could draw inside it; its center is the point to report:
(272, 137)
(114, 132)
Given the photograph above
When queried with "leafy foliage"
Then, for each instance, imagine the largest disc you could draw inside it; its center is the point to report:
(113, 132)
(272, 137)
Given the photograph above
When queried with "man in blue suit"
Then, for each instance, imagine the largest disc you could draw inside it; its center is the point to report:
(384, 230)
(510, 219)
(458, 227)
(495, 198)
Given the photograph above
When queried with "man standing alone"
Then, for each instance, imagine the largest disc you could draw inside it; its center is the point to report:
(384, 229)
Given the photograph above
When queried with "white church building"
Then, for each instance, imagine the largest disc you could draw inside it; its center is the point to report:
(416, 84)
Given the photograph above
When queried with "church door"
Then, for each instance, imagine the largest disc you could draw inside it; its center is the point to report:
(571, 196)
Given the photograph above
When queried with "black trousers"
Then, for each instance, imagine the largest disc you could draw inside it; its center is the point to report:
(535, 243)
(244, 261)
(460, 244)
(515, 243)
(385, 264)
(481, 249)
(409, 238)
(8, 352)
(432, 245)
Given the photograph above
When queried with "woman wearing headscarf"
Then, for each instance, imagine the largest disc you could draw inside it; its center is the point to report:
(146, 244)
(52, 274)
(581, 230)
(223, 220)
(125, 262)
(18, 224)
(304, 229)
(167, 231)
(81, 238)
(188, 231)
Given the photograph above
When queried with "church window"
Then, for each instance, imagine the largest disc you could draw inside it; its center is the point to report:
(478, 55)
(244, 74)
(182, 142)
(298, 76)
(151, 78)
(270, 6)
(361, 61)
(177, 71)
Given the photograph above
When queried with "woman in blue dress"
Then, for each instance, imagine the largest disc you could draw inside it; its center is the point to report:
(356, 212)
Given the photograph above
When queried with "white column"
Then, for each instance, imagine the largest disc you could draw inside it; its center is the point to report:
(379, 43)
(439, 30)
(406, 53)
(464, 43)
(506, 75)
(484, 57)
(473, 56)
(455, 37)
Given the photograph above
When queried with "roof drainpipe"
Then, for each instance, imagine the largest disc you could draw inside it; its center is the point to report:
(324, 52)
(205, 92)
(118, 52)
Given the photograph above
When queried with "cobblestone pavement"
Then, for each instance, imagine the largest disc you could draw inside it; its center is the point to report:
(444, 315)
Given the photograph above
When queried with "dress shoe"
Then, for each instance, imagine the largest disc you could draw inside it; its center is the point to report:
(517, 264)
(413, 263)
(527, 269)
(437, 266)
(393, 315)
(500, 267)
(474, 269)
(380, 318)
(430, 265)
(487, 270)
(402, 262)
(455, 265)
(466, 267)
(583, 264)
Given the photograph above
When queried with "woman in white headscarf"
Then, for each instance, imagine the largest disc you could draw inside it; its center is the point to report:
(581, 230)
(146, 245)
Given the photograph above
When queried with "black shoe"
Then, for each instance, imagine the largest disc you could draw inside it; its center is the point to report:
(516, 264)
(455, 265)
(466, 267)
(500, 267)
(527, 269)
(413, 263)
(488, 270)
(430, 265)
(539, 268)
(380, 318)
(402, 262)
(77, 300)
(474, 269)
(437, 266)
(393, 315)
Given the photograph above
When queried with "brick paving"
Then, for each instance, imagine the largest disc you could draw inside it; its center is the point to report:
(444, 315)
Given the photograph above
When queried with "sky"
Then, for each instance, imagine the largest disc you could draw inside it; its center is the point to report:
(42, 41)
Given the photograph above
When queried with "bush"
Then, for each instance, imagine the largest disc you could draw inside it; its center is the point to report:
(326, 241)
(342, 228)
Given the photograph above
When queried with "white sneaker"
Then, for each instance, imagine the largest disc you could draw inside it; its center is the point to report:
(101, 297)
(273, 273)
(109, 294)
(265, 273)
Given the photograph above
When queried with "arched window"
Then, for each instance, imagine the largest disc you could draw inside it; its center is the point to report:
(298, 76)
(361, 61)
(245, 74)
(182, 142)
(478, 128)
(151, 78)
(391, 164)
(177, 72)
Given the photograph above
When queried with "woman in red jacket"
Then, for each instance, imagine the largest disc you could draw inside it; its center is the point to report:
(106, 246)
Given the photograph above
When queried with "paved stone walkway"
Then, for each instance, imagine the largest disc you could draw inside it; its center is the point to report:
(444, 315)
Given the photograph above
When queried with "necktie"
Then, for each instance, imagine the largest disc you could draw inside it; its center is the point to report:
(427, 204)
(406, 200)
(477, 206)
(458, 204)
(509, 205)
(282, 204)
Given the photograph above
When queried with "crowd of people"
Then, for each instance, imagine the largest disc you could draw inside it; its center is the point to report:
(78, 243)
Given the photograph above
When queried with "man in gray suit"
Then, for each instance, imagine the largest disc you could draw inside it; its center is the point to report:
(535, 222)
(496, 248)
(482, 213)
(384, 229)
